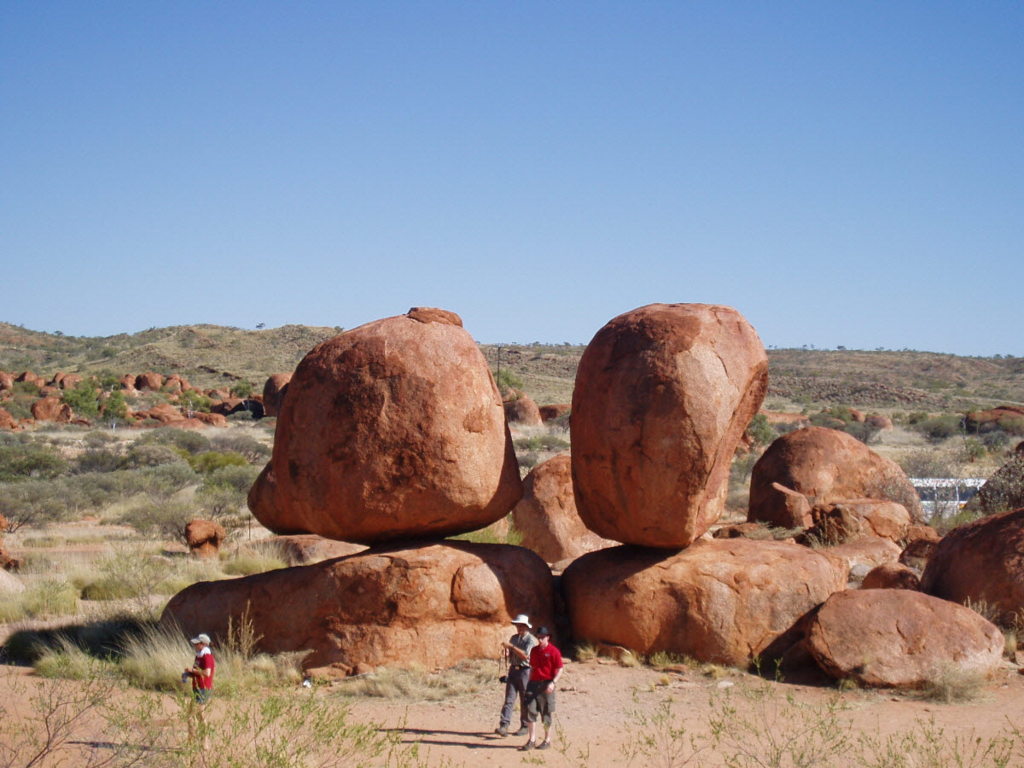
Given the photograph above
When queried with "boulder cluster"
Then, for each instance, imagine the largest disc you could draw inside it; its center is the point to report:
(394, 436)
(48, 404)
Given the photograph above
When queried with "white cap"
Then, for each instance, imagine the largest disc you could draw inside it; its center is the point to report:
(522, 618)
(203, 638)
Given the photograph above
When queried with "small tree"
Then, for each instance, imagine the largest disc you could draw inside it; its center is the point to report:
(84, 399)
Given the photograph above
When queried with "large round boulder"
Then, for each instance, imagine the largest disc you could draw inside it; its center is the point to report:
(663, 395)
(391, 430)
(430, 606)
(896, 638)
(826, 466)
(51, 409)
(520, 408)
(546, 515)
(724, 601)
(982, 562)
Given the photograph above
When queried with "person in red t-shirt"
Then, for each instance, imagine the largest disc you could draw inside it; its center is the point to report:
(201, 675)
(545, 669)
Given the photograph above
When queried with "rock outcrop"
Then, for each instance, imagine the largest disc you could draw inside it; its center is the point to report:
(724, 601)
(52, 409)
(391, 430)
(428, 606)
(521, 409)
(827, 467)
(662, 397)
(912, 636)
(546, 515)
(891, 576)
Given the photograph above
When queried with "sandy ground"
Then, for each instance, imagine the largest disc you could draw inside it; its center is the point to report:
(597, 716)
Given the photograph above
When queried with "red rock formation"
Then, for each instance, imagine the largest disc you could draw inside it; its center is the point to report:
(521, 409)
(204, 538)
(856, 518)
(149, 380)
(920, 544)
(868, 552)
(430, 607)
(31, 378)
(724, 601)
(7, 421)
(912, 636)
(391, 430)
(891, 576)
(52, 409)
(128, 383)
(273, 393)
(981, 562)
(663, 395)
(826, 466)
(546, 515)
(165, 413)
(6, 380)
(881, 423)
(210, 419)
(552, 412)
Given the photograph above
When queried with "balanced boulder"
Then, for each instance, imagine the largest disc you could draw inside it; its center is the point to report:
(725, 601)
(204, 538)
(896, 638)
(404, 607)
(391, 430)
(662, 397)
(826, 466)
(546, 515)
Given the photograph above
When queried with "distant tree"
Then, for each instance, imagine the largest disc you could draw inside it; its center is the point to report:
(84, 399)
(116, 407)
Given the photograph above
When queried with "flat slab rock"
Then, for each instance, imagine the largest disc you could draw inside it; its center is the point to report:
(429, 605)
(895, 638)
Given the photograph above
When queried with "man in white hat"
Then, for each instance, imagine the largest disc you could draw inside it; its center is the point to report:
(518, 651)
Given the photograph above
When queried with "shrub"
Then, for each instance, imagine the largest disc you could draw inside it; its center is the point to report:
(151, 455)
(505, 380)
(941, 427)
(760, 431)
(1011, 425)
(20, 462)
(150, 516)
(242, 389)
(115, 406)
(83, 399)
(50, 597)
(187, 440)
(211, 461)
(195, 401)
(98, 460)
(245, 445)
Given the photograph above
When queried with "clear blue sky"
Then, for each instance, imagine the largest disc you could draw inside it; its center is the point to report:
(841, 173)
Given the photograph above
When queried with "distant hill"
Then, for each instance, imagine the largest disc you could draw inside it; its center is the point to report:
(210, 355)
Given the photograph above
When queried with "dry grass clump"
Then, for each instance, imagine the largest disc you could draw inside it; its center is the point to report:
(953, 684)
(41, 599)
(417, 684)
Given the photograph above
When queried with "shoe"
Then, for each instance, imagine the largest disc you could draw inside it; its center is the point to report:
(502, 731)
(528, 746)
(544, 745)
(523, 730)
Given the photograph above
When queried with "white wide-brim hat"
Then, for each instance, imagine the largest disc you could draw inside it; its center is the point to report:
(522, 618)
(204, 638)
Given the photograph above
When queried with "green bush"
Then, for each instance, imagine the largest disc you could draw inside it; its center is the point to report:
(248, 446)
(1011, 425)
(195, 401)
(941, 427)
(760, 431)
(152, 455)
(115, 406)
(83, 399)
(98, 460)
(505, 379)
(51, 597)
(25, 461)
(211, 461)
(189, 441)
(242, 389)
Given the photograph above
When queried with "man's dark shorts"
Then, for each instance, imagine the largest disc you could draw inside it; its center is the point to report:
(202, 695)
(540, 704)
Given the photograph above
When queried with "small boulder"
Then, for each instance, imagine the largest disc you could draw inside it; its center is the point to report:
(210, 419)
(921, 541)
(521, 409)
(725, 601)
(552, 412)
(166, 413)
(912, 636)
(204, 538)
(869, 551)
(6, 381)
(274, 391)
(546, 515)
(663, 395)
(891, 576)
(7, 421)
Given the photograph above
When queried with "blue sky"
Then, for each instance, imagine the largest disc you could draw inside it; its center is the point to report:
(841, 173)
